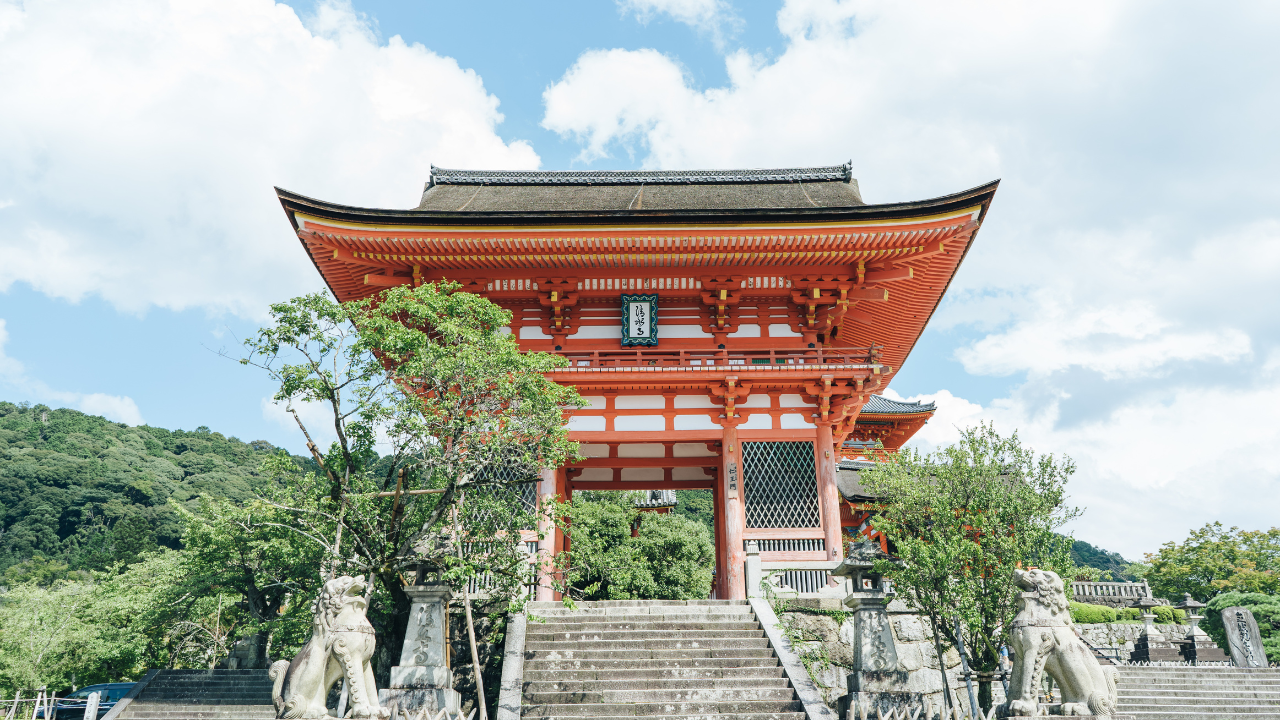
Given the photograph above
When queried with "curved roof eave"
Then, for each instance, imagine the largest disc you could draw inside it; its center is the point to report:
(294, 203)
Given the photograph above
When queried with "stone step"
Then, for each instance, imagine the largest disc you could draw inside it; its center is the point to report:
(658, 615)
(537, 605)
(645, 625)
(1243, 697)
(700, 716)
(693, 674)
(1245, 691)
(145, 711)
(637, 636)
(601, 685)
(1202, 710)
(647, 653)
(628, 661)
(1198, 671)
(595, 710)
(648, 642)
(1207, 715)
(662, 697)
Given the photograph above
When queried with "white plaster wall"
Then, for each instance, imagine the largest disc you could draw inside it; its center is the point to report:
(791, 400)
(681, 331)
(694, 422)
(504, 330)
(639, 402)
(755, 401)
(593, 450)
(794, 421)
(746, 330)
(586, 423)
(694, 401)
(533, 332)
(594, 402)
(641, 473)
(691, 450)
(596, 474)
(598, 332)
(645, 450)
(757, 421)
(639, 423)
(688, 473)
(782, 330)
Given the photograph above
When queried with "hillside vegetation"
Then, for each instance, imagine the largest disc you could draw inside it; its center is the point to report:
(78, 492)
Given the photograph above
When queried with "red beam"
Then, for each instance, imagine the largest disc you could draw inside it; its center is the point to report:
(642, 485)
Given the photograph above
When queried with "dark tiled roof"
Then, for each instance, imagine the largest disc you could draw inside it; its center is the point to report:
(509, 191)
(849, 480)
(656, 499)
(880, 405)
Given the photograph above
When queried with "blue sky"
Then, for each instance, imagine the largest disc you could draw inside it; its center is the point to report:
(1117, 307)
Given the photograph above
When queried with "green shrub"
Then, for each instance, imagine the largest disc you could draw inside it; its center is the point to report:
(1164, 614)
(1265, 609)
(1092, 614)
(1130, 614)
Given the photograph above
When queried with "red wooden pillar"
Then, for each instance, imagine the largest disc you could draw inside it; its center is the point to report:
(730, 482)
(828, 492)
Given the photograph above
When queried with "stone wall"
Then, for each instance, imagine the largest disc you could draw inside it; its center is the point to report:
(1122, 635)
(827, 649)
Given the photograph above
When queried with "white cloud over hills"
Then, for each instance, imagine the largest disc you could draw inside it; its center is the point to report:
(1125, 279)
(141, 140)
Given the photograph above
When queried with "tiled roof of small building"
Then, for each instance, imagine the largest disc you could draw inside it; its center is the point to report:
(656, 499)
(880, 405)
(543, 191)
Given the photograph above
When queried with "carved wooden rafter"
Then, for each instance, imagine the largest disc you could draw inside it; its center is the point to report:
(560, 296)
(729, 393)
(721, 295)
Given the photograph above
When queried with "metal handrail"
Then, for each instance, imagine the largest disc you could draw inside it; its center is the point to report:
(652, 357)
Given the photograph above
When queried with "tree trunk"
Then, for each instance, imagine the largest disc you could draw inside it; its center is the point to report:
(984, 695)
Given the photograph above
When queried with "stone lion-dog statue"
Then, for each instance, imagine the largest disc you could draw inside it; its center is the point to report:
(341, 644)
(1044, 640)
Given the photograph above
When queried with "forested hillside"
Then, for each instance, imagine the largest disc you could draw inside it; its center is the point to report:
(83, 492)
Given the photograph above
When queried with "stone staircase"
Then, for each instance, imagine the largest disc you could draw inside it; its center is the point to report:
(659, 659)
(1184, 692)
(203, 694)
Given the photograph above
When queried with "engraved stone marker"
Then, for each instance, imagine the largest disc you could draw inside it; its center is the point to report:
(1243, 637)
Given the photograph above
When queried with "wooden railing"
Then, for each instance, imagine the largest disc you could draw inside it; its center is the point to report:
(650, 357)
(1136, 591)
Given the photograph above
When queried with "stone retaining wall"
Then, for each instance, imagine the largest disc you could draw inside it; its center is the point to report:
(912, 636)
(1122, 635)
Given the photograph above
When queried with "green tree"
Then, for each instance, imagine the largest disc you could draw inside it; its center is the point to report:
(961, 520)
(670, 558)
(1213, 560)
(1265, 609)
(459, 409)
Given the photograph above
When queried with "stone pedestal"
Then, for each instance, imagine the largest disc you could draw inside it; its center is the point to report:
(878, 682)
(1152, 645)
(423, 679)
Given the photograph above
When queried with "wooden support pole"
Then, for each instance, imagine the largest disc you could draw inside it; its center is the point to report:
(734, 514)
(828, 492)
(547, 533)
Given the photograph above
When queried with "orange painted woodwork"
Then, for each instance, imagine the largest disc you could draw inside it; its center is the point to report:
(785, 303)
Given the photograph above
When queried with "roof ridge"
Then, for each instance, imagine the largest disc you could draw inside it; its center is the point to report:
(445, 176)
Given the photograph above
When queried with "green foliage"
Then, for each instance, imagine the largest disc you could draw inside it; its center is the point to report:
(83, 492)
(1213, 560)
(697, 505)
(1265, 609)
(1129, 614)
(1088, 613)
(1113, 567)
(961, 520)
(1166, 615)
(671, 557)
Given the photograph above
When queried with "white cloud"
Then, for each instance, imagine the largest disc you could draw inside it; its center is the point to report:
(1125, 277)
(17, 384)
(141, 140)
(317, 418)
(714, 17)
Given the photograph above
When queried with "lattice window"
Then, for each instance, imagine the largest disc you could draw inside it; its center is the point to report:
(525, 489)
(780, 485)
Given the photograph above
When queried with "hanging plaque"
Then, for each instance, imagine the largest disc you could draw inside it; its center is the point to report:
(640, 319)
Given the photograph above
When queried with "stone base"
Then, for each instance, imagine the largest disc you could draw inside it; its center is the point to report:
(859, 705)
(1078, 717)
(420, 676)
(413, 701)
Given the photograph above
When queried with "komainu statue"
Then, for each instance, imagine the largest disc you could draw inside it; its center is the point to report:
(340, 646)
(1045, 641)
